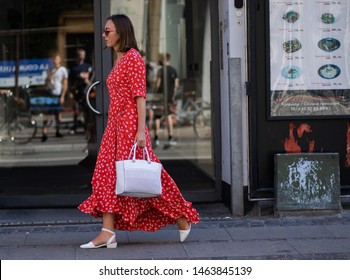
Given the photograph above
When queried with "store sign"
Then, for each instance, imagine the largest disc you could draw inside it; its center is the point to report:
(31, 72)
(309, 58)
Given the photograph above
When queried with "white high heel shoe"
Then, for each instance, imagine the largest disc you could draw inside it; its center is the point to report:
(108, 244)
(184, 233)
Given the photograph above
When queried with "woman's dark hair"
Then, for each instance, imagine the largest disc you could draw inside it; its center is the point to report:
(126, 32)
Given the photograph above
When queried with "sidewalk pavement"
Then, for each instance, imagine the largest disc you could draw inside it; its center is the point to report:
(55, 234)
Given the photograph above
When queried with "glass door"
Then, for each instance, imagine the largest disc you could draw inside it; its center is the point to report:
(175, 39)
(46, 131)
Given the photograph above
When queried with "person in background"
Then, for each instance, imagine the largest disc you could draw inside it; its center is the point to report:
(58, 85)
(167, 83)
(79, 81)
(126, 126)
(149, 71)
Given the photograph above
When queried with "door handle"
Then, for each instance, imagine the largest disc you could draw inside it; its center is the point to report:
(88, 97)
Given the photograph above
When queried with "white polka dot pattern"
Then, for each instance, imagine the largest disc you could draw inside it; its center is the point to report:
(126, 81)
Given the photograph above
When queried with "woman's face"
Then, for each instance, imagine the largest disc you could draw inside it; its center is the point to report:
(110, 35)
(57, 60)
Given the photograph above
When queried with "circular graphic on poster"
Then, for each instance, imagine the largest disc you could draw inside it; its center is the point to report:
(328, 18)
(291, 16)
(292, 46)
(291, 72)
(329, 71)
(329, 44)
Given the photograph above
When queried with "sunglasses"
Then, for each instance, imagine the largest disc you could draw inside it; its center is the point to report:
(107, 31)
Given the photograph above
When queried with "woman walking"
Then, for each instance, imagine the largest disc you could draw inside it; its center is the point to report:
(127, 125)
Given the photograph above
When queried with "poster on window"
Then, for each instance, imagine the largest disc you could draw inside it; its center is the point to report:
(309, 58)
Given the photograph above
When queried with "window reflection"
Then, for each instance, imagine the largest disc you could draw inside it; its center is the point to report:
(41, 121)
(175, 39)
(32, 30)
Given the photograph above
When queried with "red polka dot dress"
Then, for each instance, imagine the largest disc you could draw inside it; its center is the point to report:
(126, 81)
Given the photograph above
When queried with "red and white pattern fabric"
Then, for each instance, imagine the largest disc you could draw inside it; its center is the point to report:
(126, 81)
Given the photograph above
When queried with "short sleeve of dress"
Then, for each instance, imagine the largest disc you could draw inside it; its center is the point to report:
(65, 73)
(136, 74)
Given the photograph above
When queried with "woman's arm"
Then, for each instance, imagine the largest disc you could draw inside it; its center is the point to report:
(64, 89)
(140, 137)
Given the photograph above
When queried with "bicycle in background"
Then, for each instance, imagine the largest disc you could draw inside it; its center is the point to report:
(202, 121)
(16, 123)
(197, 113)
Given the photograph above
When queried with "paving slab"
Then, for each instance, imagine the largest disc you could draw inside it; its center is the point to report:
(38, 253)
(135, 251)
(279, 232)
(13, 238)
(339, 230)
(152, 237)
(320, 246)
(238, 249)
(45, 216)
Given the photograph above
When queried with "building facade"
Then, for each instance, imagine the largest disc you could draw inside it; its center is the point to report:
(239, 102)
(284, 89)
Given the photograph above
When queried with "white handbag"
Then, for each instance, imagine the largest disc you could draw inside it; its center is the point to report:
(138, 177)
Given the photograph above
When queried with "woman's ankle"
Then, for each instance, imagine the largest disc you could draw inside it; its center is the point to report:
(183, 223)
(103, 237)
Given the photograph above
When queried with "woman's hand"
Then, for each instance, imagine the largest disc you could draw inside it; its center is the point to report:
(62, 99)
(140, 139)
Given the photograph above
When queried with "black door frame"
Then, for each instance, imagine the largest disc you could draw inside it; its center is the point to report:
(103, 64)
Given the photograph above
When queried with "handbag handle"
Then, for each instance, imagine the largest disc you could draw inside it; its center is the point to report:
(133, 153)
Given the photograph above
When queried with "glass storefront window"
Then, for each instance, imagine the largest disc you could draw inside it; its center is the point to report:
(48, 145)
(176, 34)
(43, 138)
